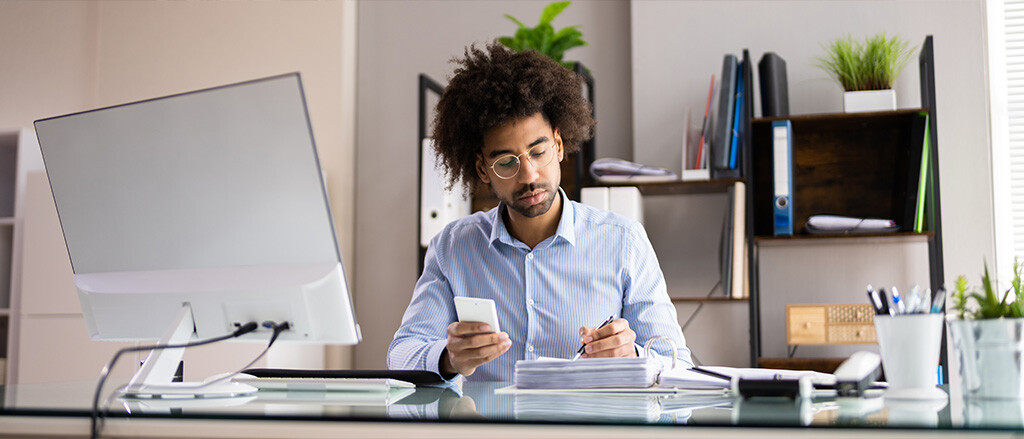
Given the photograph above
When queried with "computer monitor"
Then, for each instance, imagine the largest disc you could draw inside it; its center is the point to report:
(198, 212)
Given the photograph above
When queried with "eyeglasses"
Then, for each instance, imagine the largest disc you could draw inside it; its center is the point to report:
(507, 166)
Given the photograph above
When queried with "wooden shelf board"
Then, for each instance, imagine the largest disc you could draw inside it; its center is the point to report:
(707, 299)
(679, 187)
(838, 116)
(6, 221)
(908, 236)
(5, 311)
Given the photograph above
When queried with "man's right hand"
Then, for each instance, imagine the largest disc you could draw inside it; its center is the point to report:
(470, 345)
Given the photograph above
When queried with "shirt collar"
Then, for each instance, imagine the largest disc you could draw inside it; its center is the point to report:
(566, 224)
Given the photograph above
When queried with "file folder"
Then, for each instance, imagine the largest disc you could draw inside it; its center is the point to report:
(782, 176)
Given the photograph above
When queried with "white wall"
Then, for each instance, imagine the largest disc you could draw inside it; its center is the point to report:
(60, 57)
(398, 40)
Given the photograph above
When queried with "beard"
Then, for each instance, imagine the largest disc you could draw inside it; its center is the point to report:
(524, 207)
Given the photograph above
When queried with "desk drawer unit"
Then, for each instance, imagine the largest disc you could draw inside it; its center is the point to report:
(830, 324)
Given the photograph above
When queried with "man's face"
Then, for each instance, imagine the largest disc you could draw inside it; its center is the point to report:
(531, 191)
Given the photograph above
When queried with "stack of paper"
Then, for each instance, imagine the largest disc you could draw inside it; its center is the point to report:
(585, 373)
(609, 170)
(587, 407)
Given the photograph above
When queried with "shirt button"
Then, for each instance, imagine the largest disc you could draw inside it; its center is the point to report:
(529, 348)
(529, 256)
(529, 302)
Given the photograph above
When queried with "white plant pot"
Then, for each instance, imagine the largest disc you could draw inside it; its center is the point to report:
(869, 100)
(991, 353)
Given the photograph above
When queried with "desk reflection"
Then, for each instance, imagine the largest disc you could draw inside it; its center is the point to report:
(478, 401)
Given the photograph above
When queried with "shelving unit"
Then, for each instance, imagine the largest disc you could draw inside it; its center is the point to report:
(18, 155)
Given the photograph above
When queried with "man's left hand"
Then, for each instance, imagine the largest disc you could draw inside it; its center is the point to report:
(612, 340)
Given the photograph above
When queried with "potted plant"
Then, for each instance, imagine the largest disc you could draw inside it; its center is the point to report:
(988, 337)
(866, 70)
(543, 37)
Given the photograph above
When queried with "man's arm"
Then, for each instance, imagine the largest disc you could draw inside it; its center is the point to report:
(420, 340)
(430, 338)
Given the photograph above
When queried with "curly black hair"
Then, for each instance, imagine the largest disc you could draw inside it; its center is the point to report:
(491, 88)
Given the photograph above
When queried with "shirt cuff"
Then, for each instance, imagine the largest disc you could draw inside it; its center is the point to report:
(434, 359)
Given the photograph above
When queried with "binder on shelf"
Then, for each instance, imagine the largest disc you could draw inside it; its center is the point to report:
(782, 177)
(721, 139)
(738, 287)
(438, 206)
(774, 87)
(737, 121)
(623, 200)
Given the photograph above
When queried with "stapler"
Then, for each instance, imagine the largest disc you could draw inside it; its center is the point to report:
(858, 373)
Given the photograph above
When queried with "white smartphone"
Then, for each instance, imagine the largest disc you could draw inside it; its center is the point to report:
(471, 309)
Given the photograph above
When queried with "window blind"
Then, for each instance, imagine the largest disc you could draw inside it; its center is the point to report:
(1013, 14)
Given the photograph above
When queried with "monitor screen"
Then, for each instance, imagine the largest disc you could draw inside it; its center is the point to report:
(213, 198)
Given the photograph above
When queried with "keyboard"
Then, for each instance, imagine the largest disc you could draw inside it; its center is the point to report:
(416, 377)
(320, 384)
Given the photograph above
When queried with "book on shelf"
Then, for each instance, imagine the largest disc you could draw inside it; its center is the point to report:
(917, 172)
(721, 138)
(774, 88)
(925, 174)
(737, 121)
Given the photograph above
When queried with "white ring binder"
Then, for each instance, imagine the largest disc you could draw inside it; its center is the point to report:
(647, 353)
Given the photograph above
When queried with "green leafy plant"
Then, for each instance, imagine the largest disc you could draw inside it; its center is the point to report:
(543, 37)
(870, 65)
(986, 303)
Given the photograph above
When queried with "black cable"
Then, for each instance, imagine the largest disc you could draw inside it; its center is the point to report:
(95, 424)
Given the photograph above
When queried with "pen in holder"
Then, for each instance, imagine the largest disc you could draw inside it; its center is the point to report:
(910, 354)
(647, 353)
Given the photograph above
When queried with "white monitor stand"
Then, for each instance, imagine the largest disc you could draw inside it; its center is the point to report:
(155, 379)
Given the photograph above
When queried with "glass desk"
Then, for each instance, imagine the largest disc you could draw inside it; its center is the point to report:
(475, 409)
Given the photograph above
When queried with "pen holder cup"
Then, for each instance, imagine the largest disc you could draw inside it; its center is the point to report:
(910, 354)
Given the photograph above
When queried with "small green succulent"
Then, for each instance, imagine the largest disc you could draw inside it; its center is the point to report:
(987, 303)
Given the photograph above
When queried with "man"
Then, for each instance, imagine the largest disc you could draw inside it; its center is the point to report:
(555, 268)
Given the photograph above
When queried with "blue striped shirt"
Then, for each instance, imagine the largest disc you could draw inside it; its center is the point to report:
(597, 264)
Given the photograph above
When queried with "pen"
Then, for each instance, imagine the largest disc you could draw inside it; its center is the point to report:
(876, 302)
(939, 300)
(926, 302)
(913, 299)
(583, 347)
(711, 373)
(886, 309)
